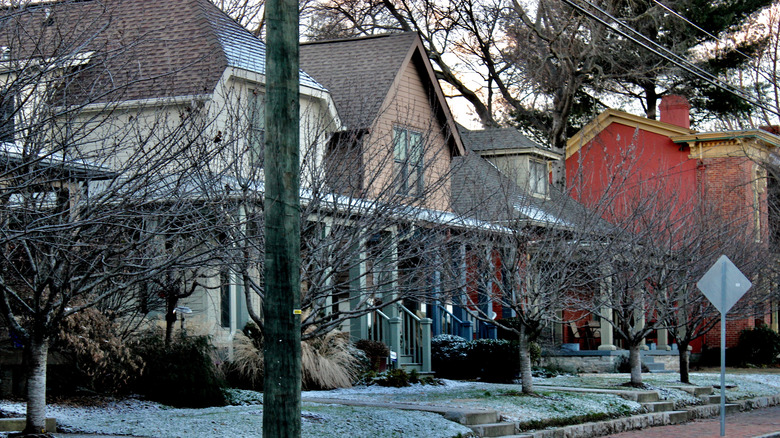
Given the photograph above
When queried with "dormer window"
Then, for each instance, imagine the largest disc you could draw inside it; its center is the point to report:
(538, 177)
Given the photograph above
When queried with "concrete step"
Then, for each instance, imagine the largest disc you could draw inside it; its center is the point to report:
(677, 417)
(711, 399)
(655, 367)
(646, 396)
(695, 390)
(17, 424)
(659, 406)
(472, 418)
(494, 429)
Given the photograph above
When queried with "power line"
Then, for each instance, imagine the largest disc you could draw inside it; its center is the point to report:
(705, 32)
(668, 55)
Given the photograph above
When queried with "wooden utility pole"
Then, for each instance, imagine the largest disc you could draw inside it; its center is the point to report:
(281, 307)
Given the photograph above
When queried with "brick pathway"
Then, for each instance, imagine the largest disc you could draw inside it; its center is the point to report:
(741, 425)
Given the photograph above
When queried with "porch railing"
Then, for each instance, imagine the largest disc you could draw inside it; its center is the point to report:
(379, 327)
(451, 324)
(411, 337)
(407, 335)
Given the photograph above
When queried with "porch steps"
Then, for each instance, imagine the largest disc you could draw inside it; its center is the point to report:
(659, 406)
(637, 396)
(494, 429)
(653, 366)
(696, 391)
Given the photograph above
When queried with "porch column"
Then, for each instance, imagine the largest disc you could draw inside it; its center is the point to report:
(425, 326)
(357, 282)
(640, 325)
(326, 227)
(607, 333)
(774, 325)
(663, 335)
(395, 339)
(558, 328)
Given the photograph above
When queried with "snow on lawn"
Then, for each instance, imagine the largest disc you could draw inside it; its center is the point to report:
(504, 398)
(140, 418)
(746, 385)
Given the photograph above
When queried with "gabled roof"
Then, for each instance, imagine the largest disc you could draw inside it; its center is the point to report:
(360, 74)
(503, 141)
(610, 116)
(140, 49)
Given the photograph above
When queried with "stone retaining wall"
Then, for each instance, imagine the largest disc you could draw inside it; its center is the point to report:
(591, 361)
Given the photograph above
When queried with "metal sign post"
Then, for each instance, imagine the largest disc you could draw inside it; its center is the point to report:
(723, 285)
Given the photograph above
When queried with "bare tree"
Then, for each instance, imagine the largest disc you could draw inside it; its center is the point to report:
(97, 198)
(536, 259)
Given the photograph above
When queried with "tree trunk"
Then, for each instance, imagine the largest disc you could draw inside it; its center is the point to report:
(36, 352)
(170, 321)
(525, 363)
(684, 362)
(635, 361)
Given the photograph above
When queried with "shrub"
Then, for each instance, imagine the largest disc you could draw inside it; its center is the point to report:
(327, 362)
(396, 378)
(98, 359)
(494, 360)
(247, 368)
(376, 351)
(449, 357)
(181, 375)
(758, 346)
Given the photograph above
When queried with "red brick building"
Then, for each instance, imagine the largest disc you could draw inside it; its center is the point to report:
(620, 157)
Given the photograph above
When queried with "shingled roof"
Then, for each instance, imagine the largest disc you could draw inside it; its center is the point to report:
(481, 191)
(137, 49)
(503, 140)
(358, 72)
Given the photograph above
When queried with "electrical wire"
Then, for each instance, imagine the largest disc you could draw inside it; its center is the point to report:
(666, 54)
(700, 29)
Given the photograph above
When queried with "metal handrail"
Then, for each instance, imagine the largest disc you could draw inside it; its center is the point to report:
(460, 321)
(382, 314)
(404, 309)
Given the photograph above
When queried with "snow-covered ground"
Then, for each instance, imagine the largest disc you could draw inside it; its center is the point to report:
(140, 418)
(244, 417)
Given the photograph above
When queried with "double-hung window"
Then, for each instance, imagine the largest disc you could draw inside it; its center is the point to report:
(538, 178)
(256, 137)
(408, 158)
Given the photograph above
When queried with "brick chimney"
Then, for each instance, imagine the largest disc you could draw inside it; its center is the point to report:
(675, 110)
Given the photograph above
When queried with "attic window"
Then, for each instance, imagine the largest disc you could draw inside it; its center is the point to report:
(538, 178)
(408, 158)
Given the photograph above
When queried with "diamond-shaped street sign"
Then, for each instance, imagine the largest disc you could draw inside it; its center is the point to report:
(724, 284)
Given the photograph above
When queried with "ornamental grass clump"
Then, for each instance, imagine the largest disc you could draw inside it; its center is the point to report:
(327, 362)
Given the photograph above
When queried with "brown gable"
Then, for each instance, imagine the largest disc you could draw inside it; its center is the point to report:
(360, 74)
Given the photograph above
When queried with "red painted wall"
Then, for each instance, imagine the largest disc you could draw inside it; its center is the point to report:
(624, 165)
